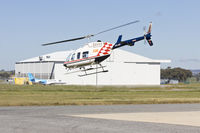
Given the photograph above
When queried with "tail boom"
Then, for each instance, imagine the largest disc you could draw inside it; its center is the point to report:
(131, 42)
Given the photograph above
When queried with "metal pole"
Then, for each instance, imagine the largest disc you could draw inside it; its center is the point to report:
(40, 69)
(23, 70)
(34, 69)
(96, 75)
(48, 70)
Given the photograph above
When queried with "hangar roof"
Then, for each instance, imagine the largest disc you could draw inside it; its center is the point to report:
(59, 56)
(128, 57)
(117, 55)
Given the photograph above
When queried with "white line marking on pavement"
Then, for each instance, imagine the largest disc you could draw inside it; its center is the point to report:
(191, 118)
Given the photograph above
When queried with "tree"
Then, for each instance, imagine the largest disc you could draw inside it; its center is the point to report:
(179, 74)
(197, 76)
(6, 74)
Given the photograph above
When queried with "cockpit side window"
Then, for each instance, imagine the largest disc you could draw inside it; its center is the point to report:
(85, 54)
(78, 55)
(73, 56)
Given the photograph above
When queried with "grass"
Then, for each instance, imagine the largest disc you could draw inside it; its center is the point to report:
(14, 95)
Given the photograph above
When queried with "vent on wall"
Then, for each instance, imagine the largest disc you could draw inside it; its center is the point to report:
(40, 58)
(48, 57)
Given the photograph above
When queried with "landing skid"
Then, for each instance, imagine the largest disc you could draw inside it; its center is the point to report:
(88, 70)
(92, 73)
(92, 68)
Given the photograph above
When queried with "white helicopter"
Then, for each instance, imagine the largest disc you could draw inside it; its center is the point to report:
(96, 52)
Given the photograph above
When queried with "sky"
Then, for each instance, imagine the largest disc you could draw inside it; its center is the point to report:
(26, 24)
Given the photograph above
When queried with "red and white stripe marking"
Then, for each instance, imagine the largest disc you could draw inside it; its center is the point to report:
(106, 49)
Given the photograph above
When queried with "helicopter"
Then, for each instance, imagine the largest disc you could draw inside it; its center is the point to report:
(95, 52)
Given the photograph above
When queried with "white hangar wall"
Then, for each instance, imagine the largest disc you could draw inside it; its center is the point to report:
(42, 66)
(134, 74)
(38, 69)
(124, 68)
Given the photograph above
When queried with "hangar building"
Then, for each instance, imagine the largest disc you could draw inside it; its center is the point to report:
(121, 68)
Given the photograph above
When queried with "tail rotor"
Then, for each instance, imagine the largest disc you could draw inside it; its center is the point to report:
(144, 29)
(147, 35)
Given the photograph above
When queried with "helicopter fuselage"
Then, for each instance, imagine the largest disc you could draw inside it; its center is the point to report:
(91, 53)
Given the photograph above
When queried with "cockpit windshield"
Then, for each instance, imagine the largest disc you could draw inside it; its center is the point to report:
(68, 57)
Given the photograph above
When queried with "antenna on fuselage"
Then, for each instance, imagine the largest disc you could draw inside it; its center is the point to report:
(89, 39)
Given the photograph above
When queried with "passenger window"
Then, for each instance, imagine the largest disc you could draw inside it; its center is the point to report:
(78, 55)
(85, 54)
(73, 57)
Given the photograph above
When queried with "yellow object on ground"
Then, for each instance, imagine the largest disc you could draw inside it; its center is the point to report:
(21, 81)
(30, 83)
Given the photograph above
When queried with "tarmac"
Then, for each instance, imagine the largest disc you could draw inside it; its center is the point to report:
(150, 118)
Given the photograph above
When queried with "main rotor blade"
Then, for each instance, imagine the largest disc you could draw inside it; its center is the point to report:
(74, 39)
(117, 27)
(88, 36)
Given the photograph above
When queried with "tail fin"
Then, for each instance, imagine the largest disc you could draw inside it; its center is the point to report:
(119, 39)
(118, 43)
(31, 77)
